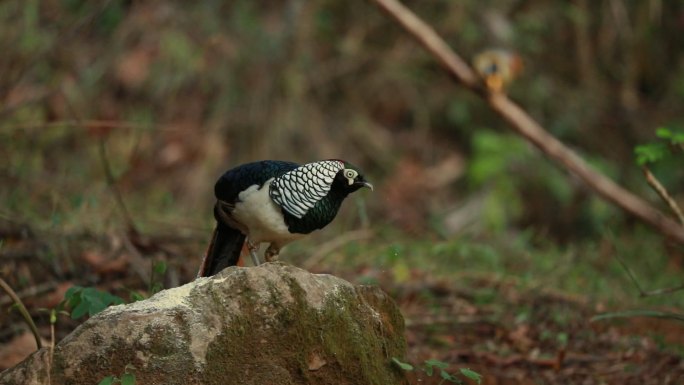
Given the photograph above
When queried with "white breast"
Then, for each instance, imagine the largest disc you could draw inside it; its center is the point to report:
(262, 217)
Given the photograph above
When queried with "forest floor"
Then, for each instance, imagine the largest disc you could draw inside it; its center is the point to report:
(509, 331)
(519, 336)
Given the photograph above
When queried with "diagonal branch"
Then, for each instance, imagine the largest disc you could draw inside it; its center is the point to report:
(526, 126)
(662, 191)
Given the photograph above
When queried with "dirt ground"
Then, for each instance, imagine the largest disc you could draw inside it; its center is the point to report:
(533, 337)
(509, 335)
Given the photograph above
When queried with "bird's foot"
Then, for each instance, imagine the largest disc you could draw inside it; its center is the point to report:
(253, 252)
(272, 253)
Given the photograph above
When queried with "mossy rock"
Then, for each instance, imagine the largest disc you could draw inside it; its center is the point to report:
(272, 324)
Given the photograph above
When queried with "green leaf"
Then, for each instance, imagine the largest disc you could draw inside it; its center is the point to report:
(650, 153)
(672, 136)
(437, 363)
(128, 379)
(402, 365)
(430, 364)
(71, 292)
(447, 376)
(72, 297)
(74, 301)
(109, 380)
(91, 294)
(80, 310)
(159, 267)
(678, 138)
(135, 296)
(471, 374)
(88, 300)
(111, 299)
(664, 133)
(53, 316)
(95, 306)
(156, 288)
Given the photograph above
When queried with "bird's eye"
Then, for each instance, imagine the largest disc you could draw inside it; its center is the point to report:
(350, 174)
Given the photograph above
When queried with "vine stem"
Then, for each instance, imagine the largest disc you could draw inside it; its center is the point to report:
(22, 309)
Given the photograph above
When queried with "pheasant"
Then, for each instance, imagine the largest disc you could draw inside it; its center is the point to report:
(498, 68)
(275, 202)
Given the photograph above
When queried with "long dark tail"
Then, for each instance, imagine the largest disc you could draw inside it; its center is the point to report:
(224, 250)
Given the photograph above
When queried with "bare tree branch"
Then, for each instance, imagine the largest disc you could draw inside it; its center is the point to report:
(527, 127)
(662, 191)
(432, 42)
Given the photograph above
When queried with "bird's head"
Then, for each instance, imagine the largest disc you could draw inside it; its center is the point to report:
(498, 67)
(350, 178)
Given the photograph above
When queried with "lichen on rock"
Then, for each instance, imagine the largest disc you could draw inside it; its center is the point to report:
(271, 324)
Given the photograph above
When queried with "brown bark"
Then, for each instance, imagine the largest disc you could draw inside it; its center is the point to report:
(526, 126)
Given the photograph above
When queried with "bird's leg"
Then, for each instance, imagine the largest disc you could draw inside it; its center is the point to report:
(253, 252)
(272, 253)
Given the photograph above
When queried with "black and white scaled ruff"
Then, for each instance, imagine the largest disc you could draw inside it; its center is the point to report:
(297, 191)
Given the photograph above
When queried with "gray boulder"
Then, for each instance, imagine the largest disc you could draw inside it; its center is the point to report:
(272, 324)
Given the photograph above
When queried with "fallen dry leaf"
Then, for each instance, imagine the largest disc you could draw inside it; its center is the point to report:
(104, 265)
(316, 362)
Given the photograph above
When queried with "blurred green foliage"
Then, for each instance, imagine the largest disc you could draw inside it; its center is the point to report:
(658, 151)
(327, 78)
(127, 378)
(494, 161)
(531, 263)
(179, 91)
(88, 301)
(429, 366)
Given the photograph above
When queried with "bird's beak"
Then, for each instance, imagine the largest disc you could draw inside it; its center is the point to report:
(366, 184)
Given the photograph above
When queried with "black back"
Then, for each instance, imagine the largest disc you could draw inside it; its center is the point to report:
(226, 244)
(240, 178)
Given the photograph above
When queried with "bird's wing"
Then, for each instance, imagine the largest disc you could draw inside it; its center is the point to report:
(238, 179)
(297, 191)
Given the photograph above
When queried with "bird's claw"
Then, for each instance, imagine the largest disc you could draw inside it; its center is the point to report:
(253, 253)
(271, 254)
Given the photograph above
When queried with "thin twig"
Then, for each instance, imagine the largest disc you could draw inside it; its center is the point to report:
(53, 320)
(639, 313)
(631, 275)
(642, 292)
(88, 123)
(111, 183)
(427, 36)
(106, 167)
(662, 191)
(667, 290)
(137, 259)
(22, 310)
(527, 127)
